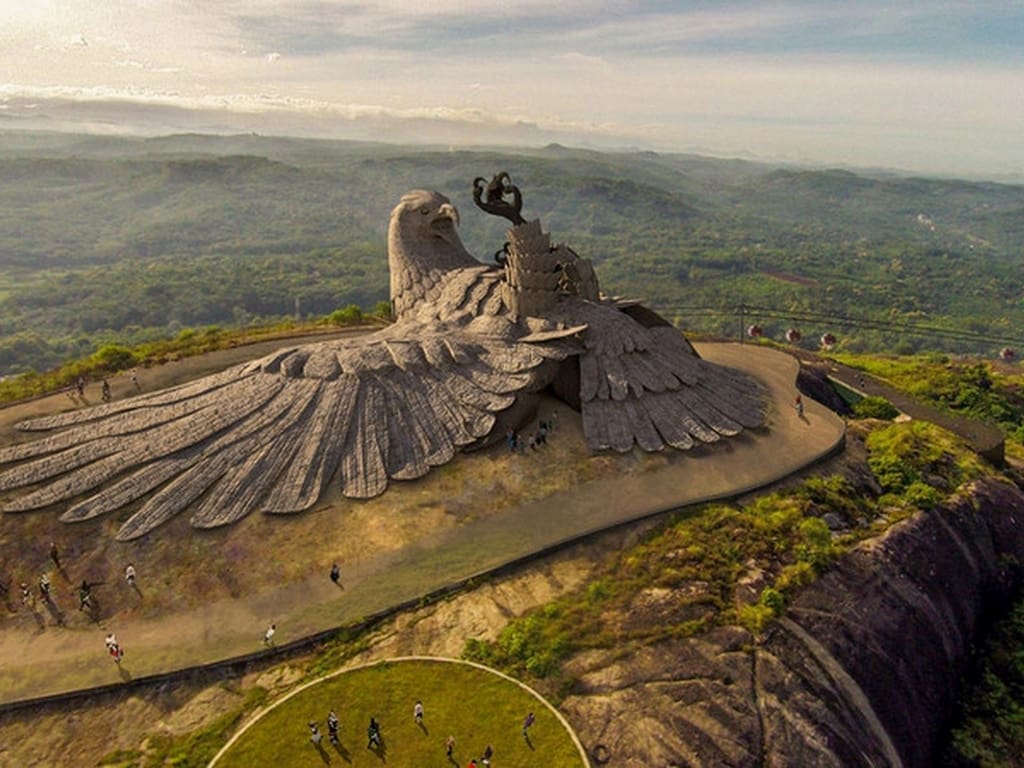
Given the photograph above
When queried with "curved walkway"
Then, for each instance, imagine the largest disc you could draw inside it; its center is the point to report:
(984, 438)
(58, 663)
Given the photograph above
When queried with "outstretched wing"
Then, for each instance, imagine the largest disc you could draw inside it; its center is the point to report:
(646, 386)
(270, 434)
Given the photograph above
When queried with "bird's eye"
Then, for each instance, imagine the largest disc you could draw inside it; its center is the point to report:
(424, 210)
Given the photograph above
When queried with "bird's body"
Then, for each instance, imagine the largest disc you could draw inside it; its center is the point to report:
(270, 434)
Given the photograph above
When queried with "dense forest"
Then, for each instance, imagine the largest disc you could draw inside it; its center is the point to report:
(116, 240)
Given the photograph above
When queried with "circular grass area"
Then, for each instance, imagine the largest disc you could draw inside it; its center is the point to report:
(475, 705)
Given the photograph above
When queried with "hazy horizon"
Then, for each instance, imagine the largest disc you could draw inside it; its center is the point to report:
(930, 88)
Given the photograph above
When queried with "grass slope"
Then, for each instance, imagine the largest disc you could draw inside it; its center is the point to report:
(475, 706)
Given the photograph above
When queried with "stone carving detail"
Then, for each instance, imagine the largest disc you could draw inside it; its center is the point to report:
(532, 271)
(468, 340)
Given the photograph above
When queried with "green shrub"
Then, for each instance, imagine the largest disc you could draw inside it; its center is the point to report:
(902, 455)
(875, 408)
(772, 598)
(112, 357)
(991, 728)
(922, 496)
(350, 315)
(892, 472)
(816, 533)
(754, 617)
(598, 591)
(798, 574)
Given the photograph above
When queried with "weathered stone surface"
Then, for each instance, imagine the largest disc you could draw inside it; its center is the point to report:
(900, 615)
(813, 382)
(863, 670)
(684, 702)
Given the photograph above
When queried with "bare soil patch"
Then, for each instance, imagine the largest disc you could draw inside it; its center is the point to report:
(789, 277)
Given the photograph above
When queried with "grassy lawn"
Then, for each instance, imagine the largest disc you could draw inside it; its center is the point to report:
(474, 705)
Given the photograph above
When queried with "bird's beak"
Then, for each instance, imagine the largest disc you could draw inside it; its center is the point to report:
(449, 211)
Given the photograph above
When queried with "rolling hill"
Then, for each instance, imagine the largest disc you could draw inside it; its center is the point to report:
(107, 239)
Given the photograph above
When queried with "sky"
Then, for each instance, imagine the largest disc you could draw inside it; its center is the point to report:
(933, 86)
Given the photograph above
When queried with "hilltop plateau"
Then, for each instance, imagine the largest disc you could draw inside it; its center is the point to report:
(832, 619)
(820, 621)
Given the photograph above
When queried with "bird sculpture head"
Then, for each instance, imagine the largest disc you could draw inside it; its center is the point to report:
(423, 244)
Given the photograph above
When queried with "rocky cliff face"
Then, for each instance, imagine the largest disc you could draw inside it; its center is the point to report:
(862, 670)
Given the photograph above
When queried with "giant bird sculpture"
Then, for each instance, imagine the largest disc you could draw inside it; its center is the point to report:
(470, 344)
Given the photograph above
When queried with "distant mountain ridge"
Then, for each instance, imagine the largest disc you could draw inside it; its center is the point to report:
(105, 238)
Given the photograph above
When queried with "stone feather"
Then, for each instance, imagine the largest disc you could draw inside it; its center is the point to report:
(270, 434)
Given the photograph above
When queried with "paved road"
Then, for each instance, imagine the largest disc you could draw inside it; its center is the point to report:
(33, 665)
(984, 438)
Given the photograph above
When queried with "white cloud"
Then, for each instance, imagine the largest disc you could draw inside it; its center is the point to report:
(146, 66)
(736, 75)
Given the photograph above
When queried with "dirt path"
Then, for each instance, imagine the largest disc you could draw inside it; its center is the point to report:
(209, 595)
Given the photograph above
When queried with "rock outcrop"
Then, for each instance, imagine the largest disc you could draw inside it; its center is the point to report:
(862, 670)
(812, 381)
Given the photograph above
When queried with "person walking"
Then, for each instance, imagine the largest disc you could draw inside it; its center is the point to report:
(114, 648)
(373, 734)
(44, 586)
(336, 574)
(314, 734)
(527, 723)
(129, 575)
(449, 747)
(417, 712)
(799, 406)
(332, 726)
(488, 754)
(268, 636)
(85, 596)
(54, 554)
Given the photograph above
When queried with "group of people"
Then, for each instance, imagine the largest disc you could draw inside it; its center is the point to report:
(86, 599)
(485, 758)
(535, 440)
(375, 742)
(105, 393)
(333, 725)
